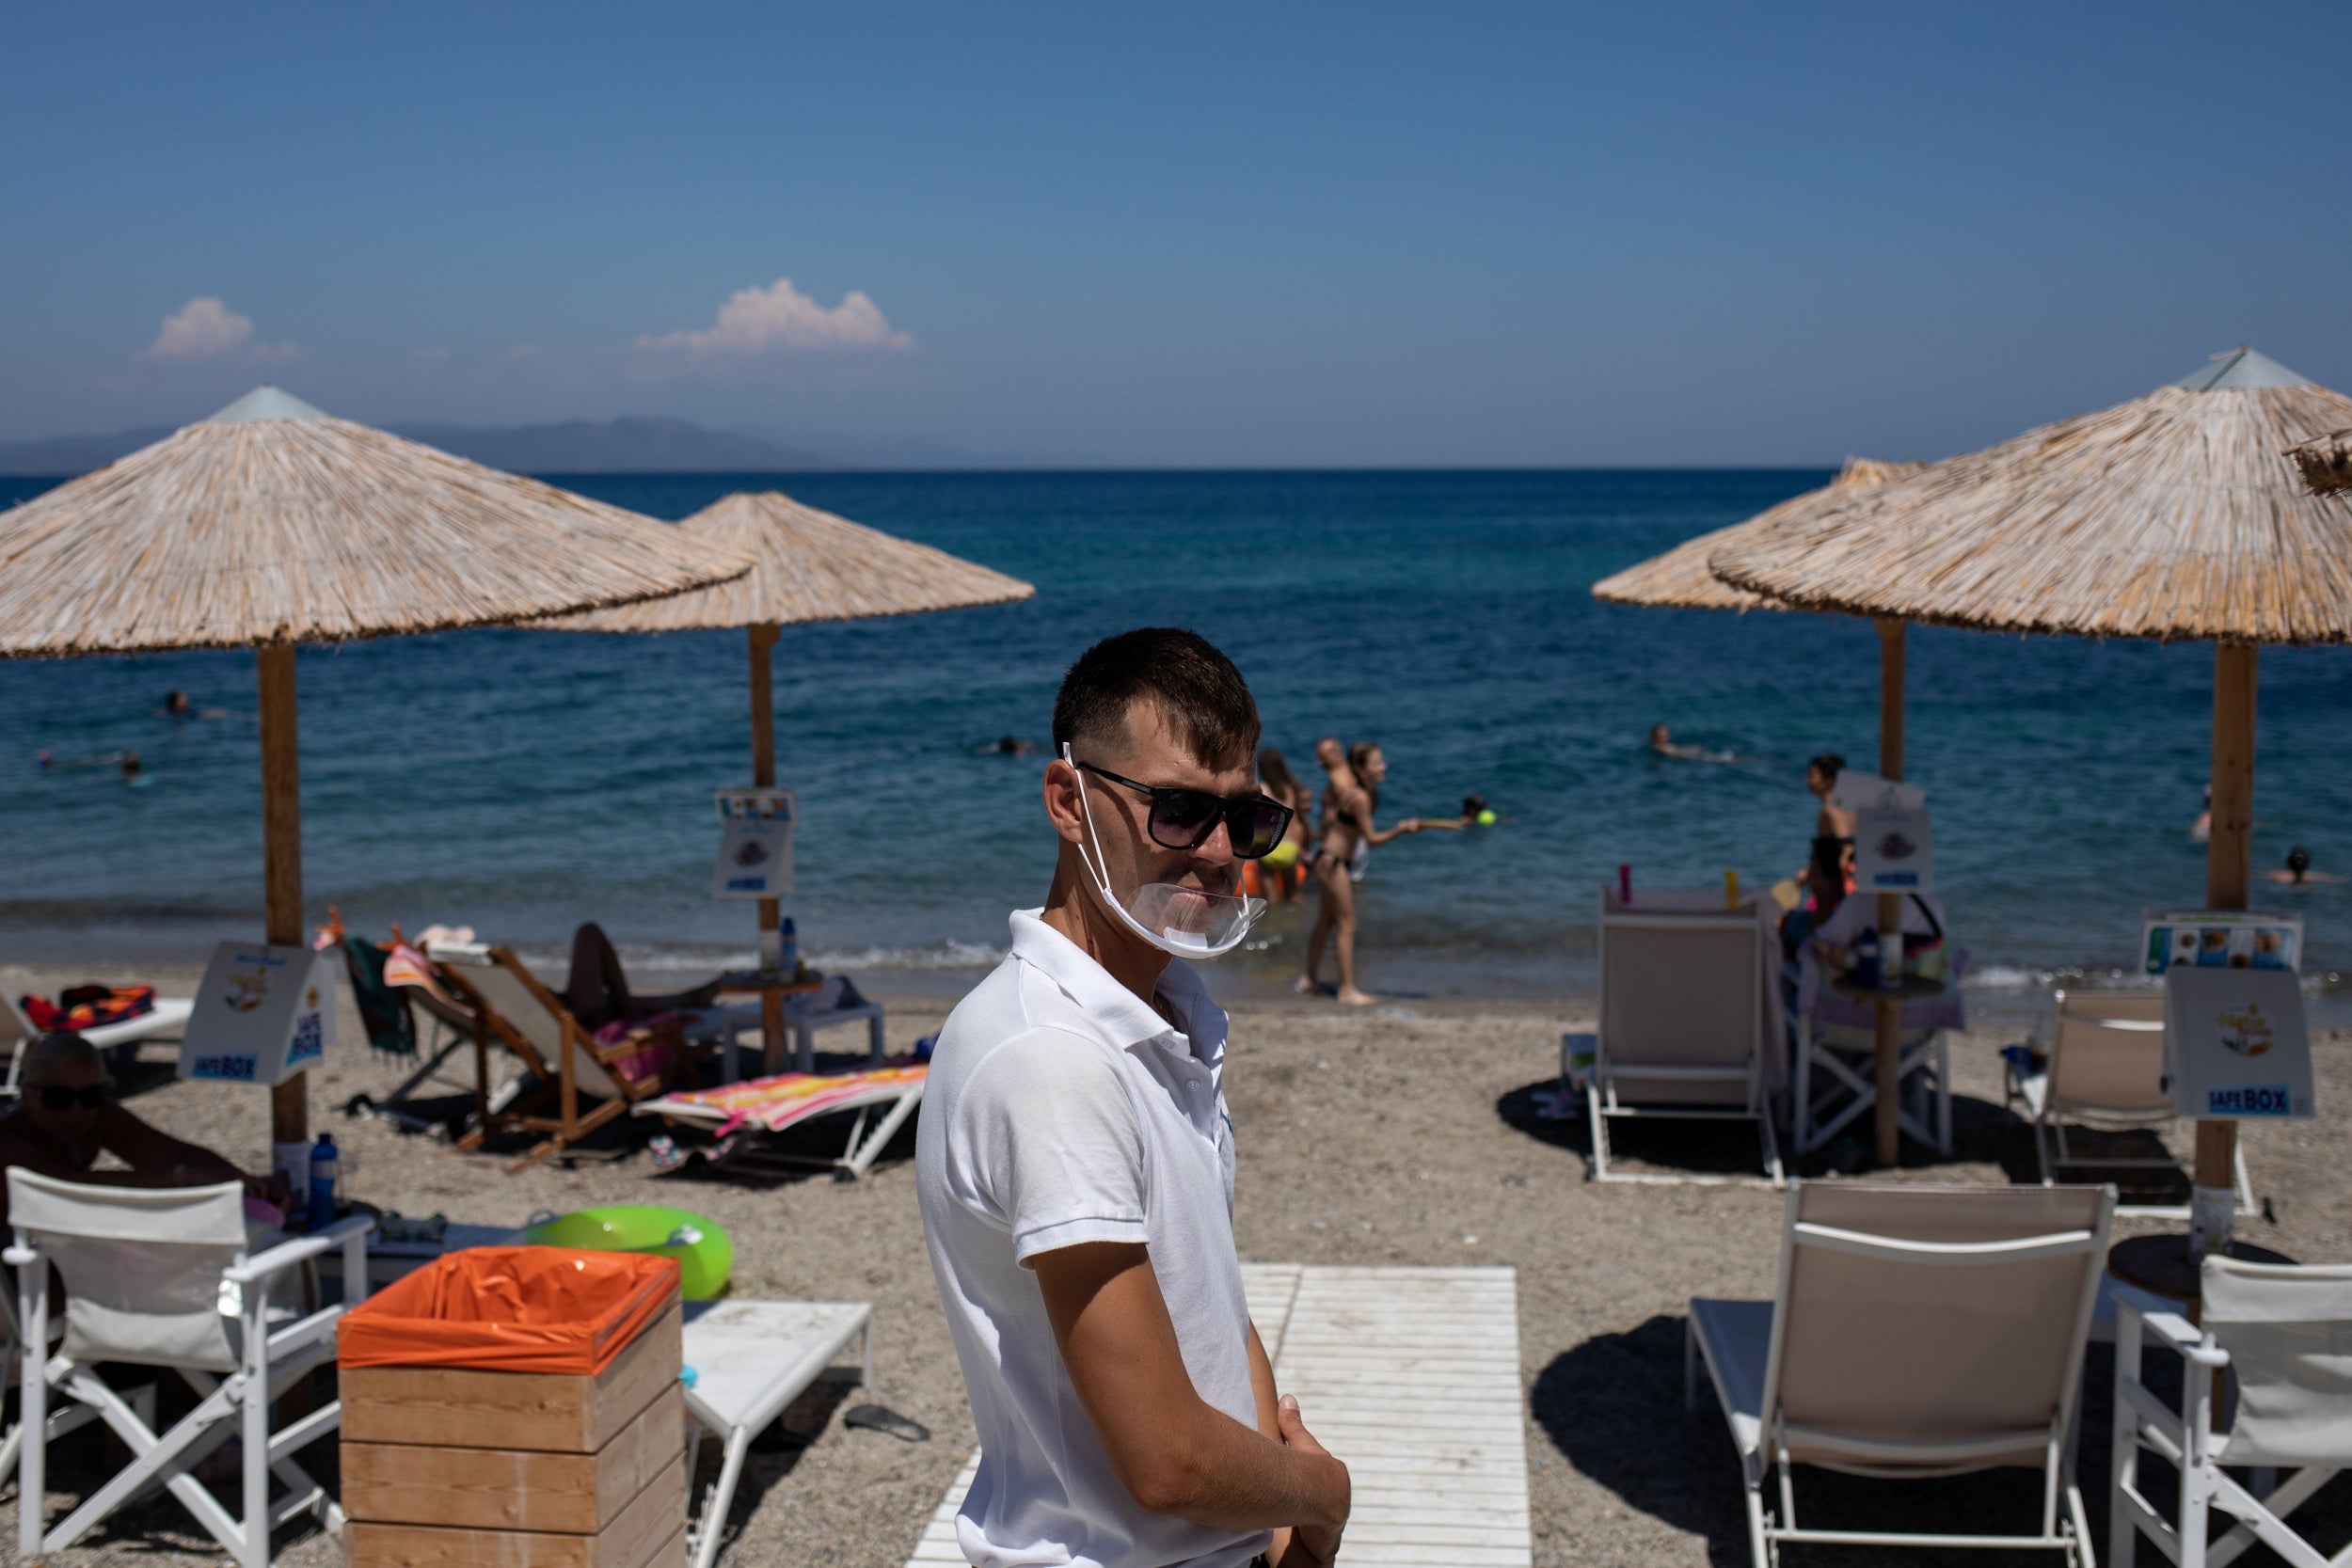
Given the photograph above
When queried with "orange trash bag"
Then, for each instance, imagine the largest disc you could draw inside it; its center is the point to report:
(511, 1310)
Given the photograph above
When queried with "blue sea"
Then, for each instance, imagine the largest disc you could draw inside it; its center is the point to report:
(521, 782)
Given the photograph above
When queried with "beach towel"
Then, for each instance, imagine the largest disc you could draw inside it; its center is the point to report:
(391, 1028)
(82, 1007)
(787, 1098)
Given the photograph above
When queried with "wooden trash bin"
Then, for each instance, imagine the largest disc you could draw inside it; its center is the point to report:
(474, 1465)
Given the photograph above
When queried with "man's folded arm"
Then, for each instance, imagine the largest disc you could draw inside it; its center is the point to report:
(1174, 1452)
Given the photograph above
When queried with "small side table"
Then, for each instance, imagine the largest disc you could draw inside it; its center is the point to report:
(1890, 1000)
(2163, 1266)
(771, 987)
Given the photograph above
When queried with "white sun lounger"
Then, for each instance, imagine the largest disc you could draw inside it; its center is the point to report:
(1690, 1019)
(1919, 1331)
(751, 1359)
(788, 1099)
(2106, 1072)
(169, 1016)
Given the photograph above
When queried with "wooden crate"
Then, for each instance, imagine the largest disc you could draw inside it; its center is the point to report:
(650, 1532)
(542, 1412)
(451, 1468)
(515, 1489)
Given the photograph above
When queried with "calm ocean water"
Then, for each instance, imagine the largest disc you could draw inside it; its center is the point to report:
(521, 782)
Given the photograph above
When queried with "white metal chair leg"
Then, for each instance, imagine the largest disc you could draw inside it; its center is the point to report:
(713, 1524)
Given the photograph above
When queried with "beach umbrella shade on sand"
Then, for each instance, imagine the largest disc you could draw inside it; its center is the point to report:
(806, 566)
(1684, 579)
(272, 524)
(2178, 515)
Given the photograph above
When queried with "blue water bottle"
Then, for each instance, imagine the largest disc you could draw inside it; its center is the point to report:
(323, 1182)
(1868, 974)
(789, 951)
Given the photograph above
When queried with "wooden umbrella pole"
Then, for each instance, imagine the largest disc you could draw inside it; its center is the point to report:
(1883, 1122)
(281, 855)
(2229, 869)
(763, 642)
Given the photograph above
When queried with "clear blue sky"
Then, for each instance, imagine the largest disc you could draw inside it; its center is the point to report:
(1180, 235)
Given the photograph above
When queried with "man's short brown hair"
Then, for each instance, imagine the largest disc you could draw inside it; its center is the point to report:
(1196, 689)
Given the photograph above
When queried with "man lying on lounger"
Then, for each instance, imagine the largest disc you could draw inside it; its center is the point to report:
(66, 1116)
(1075, 1161)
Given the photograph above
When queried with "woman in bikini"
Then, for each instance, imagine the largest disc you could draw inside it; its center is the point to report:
(1347, 832)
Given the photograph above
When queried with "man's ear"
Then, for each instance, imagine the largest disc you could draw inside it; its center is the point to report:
(1062, 805)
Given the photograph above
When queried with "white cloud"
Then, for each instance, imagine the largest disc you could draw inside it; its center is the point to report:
(760, 320)
(203, 328)
(206, 328)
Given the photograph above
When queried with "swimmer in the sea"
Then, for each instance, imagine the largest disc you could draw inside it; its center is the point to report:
(1008, 746)
(176, 706)
(2298, 872)
(1476, 812)
(2201, 830)
(1662, 741)
(130, 774)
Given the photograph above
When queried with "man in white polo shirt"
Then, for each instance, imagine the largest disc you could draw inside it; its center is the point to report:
(1075, 1160)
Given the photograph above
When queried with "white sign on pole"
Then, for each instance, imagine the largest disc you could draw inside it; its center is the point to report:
(1893, 850)
(754, 843)
(1857, 791)
(263, 1014)
(2235, 1048)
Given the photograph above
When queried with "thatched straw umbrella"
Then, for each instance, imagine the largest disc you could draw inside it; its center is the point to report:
(1684, 579)
(807, 565)
(272, 524)
(2326, 462)
(2174, 516)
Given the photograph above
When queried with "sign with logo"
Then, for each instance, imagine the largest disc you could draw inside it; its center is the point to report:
(754, 843)
(1893, 850)
(2219, 938)
(263, 1014)
(2234, 1043)
(1857, 791)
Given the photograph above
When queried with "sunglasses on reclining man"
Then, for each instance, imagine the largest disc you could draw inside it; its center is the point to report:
(1184, 818)
(57, 1096)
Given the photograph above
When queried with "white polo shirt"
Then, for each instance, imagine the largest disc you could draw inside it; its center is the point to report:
(1060, 1109)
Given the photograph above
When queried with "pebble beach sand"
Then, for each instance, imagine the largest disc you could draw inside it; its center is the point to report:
(1407, 1134)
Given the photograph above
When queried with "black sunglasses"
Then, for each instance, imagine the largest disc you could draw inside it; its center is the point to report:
(1184, 818)
(57, 1096)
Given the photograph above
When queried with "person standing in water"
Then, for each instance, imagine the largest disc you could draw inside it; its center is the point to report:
(1348, 836)
(1278, 874)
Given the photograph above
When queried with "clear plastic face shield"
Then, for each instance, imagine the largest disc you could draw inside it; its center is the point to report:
(1188, 921)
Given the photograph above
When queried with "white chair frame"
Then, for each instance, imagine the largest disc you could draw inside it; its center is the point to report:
(2051, 1151)
(2185, 1438)
(236, 1405)
(1602, 1106)
(1924, 1067)
(2062, 1492)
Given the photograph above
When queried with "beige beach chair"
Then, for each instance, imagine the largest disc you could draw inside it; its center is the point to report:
(1919, 1331)
(162, 1278)
(2106, 1072)
(515, 1014)
(2283, 1335)
(1689, 1018)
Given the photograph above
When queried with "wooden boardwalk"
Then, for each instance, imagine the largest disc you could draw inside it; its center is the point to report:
(1412, 1376)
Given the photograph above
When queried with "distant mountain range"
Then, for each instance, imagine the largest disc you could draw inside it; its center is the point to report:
(634, 445)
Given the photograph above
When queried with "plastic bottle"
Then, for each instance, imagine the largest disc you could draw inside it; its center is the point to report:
(1867, 973)
(788, 950)
(323, 1162)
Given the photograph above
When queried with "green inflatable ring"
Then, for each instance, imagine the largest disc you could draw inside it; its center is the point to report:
(704, 1255)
